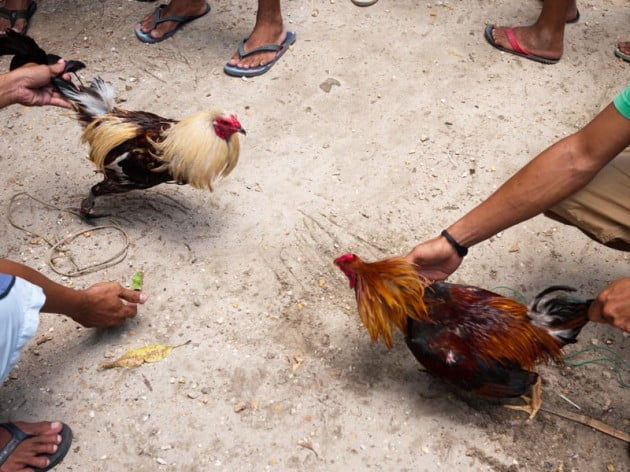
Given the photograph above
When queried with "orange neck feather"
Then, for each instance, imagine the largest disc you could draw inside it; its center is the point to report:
(388, 293)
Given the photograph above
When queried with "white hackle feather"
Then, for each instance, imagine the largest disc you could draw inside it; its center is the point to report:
(194, 154)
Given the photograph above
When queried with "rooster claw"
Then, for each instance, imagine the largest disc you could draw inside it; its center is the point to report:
(89, 217)
(533, 404)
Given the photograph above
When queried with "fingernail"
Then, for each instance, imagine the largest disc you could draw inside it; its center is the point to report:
(55, 425)
(143, 298)
(59, 439)
(54, 448)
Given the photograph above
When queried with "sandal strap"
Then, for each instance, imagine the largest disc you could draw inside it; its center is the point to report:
(265, 48)
(14, 15)
(17, 436)
(179, 19)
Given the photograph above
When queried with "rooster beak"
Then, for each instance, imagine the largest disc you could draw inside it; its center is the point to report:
(242, 131)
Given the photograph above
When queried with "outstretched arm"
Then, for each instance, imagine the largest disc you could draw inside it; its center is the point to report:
(30, 85)
(553, 175)
(101, 305)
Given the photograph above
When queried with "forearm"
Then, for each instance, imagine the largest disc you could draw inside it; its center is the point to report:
(59, 299)
(552, 176)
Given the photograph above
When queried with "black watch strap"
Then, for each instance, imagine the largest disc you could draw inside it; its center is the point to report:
(461, 250)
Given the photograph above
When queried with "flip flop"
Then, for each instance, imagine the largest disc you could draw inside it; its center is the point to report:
(181, 20)
(279, 49)
(364, 3)
(17, 436)
(14, 15)
(517, 49)
(622, 55)
(574, 20)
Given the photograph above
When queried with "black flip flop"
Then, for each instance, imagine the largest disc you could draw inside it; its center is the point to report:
(17, 436)
(279, 49)
(14, 15)
(517, 50)
(181, 20)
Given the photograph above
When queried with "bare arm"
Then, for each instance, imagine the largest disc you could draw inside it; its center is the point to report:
(553, 175)
(101, 305)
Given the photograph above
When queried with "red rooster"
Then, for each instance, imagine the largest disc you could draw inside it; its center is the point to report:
(476, 339)
(137, 149)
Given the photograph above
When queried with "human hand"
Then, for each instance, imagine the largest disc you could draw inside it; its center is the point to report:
(31, 85)
(612, 305)
(436, 259)
(107, 304)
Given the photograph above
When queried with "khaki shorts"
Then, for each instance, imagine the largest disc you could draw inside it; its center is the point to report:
(602, 208)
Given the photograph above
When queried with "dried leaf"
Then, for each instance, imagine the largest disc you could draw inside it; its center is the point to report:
(136, 281)
(298, 359)
(137, 357)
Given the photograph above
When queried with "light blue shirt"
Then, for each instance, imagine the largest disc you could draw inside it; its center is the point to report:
(20, 302)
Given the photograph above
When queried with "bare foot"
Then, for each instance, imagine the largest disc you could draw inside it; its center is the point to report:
(27, 455)
(267, 30)
(174, 8)
(20, 23)
(533, 40)
(624, 47)
(572, 12)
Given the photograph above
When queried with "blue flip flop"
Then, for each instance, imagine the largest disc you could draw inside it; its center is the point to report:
(17, 436)
(181, 20)
(279, 49)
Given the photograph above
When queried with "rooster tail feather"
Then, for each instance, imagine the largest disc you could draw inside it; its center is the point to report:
(90, 102)
(24, 49)
(562, 315)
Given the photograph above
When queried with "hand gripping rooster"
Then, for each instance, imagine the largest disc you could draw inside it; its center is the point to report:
(478, 340)
(137, 149)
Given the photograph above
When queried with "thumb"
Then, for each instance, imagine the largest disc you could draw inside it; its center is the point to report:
(132, 296)
(57, 68)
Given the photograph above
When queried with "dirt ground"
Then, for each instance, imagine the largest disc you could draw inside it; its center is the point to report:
(380, 127)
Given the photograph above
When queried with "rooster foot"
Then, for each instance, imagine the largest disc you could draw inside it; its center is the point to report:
(87, 210)
(88, 216)
(533, 404)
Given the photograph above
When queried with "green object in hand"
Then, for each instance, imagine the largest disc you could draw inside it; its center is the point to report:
(136, 281)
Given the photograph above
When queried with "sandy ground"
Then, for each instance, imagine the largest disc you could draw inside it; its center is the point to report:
(420, 120)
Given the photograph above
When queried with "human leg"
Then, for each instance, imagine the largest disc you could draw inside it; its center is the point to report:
(15, 14)
(545, 38)
(150, 30)
(268, 30)
(601, 210)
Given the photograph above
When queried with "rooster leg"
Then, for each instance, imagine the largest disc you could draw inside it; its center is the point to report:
(87, 209)
(533, 404)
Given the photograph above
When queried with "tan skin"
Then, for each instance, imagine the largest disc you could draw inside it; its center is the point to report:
(268, 29)
(624, 47)
(546, 36)
(101, 305)
(20, 23)
(553, 175)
